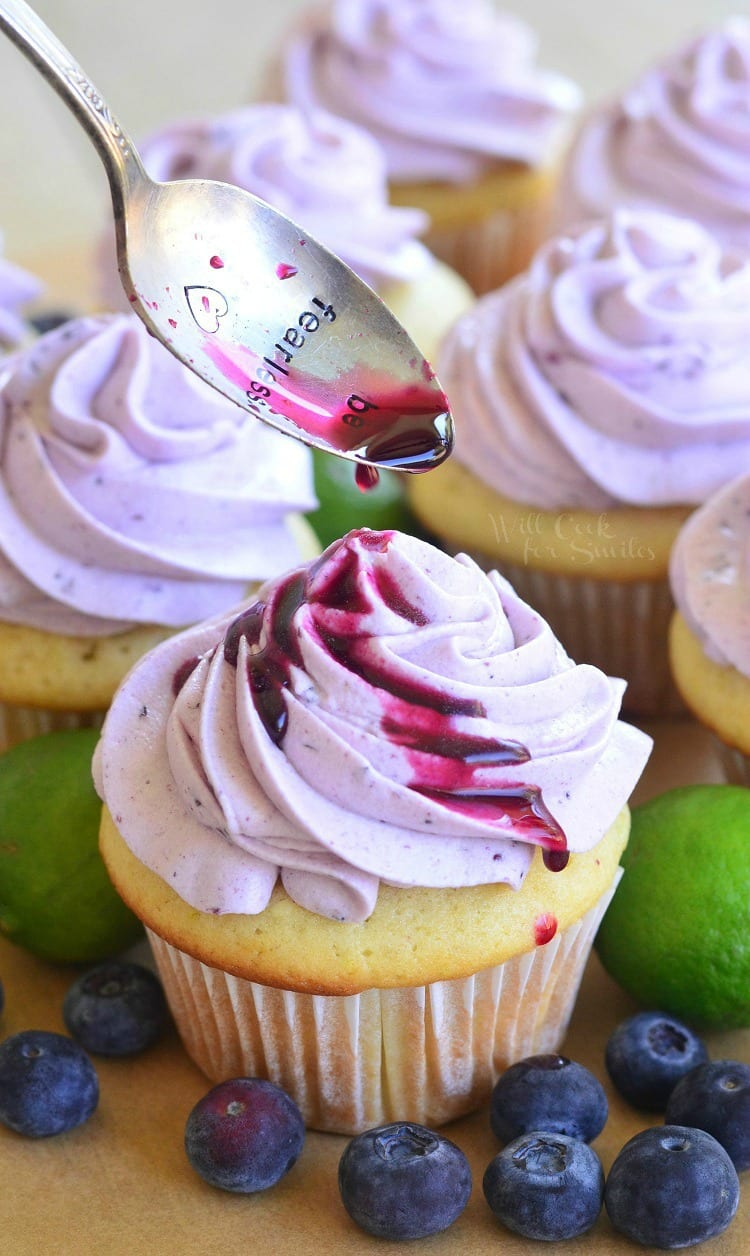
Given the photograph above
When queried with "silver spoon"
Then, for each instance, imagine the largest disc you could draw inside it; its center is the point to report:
(250, 301)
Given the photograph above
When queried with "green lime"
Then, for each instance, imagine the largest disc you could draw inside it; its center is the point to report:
(343, 506)
(55, 896)
(677, 933)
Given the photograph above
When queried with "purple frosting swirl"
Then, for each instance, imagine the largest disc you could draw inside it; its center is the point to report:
(614, 372)
(131, 491)
(322, 172)
(449, 89)
(384, 713)
(678, 140)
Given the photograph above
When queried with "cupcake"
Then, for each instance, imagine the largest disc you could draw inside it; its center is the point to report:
(134, 500)
(471, 127)
(371, 823)
(330, 177)
(710, 631)
(597, 399)
(18, 288)
(678, 140)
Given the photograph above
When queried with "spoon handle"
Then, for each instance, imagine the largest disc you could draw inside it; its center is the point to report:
(45, 51)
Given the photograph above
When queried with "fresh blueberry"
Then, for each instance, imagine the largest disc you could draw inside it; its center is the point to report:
(115, 1009)
(48, 320)
(551, 1093)
(671, 1186)
(545, 1186)
(716, 1097)
(244, 1135)
(47, 1084)
(648, 1054)
(403, 1181)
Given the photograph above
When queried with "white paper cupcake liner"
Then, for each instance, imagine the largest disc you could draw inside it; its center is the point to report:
(620, 626)
(425, 1054)
(19, 723)
(493, 249)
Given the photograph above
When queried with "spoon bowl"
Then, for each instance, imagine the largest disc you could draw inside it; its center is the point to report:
(252, 303)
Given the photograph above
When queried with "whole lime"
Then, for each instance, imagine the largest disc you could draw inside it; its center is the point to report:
(56, 899)
(676, 935)
(343, 506)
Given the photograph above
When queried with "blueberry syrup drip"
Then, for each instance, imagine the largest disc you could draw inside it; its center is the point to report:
(351, 653)
(419, 717)
(545, 928)
(375, 542)
(522, 805)
(336, 585)
(556, 860)
(268, 665)
(398, 441)
(183, 673)
(393, 597)
(366, 477)
(408, 428)
(426, 734)
(449, 766)
(247, 625)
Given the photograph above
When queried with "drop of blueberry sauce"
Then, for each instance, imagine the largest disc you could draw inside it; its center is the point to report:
(366, 477)
(545, 928)
(446, 762)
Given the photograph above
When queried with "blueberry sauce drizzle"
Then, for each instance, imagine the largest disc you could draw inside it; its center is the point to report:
(408, 427)
(545, 928)
(556, 860)
(268, 665)
(366, 477)
(447, 763)
(183, 673)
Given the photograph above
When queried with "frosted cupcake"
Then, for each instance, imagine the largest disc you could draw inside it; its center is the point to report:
(677, 140)
(134, 500)
(471, 127)
(18, 288)
(710, 631)
(371, 824)
(597, 399)
(329, 176)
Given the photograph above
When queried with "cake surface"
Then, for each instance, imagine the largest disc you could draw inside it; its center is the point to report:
(413, 937)
(65, 673)
(716, 693)
(622, 543)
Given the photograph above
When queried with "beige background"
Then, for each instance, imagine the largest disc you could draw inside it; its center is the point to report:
(156, 60)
